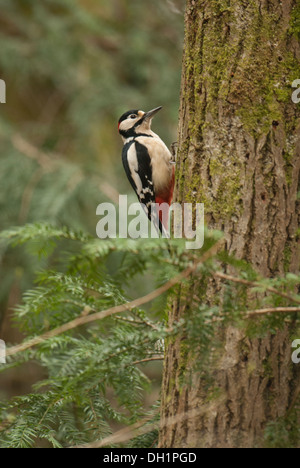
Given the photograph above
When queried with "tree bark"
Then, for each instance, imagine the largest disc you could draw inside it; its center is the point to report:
(239, 154)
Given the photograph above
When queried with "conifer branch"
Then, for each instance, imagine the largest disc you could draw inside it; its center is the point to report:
(84, 319)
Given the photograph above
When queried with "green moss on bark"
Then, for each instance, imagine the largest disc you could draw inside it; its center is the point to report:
(295, 21)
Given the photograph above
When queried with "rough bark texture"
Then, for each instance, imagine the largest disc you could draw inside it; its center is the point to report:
(239, 153)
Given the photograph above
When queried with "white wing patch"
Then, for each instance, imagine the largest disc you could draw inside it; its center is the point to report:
(141, 189)
(134, 167)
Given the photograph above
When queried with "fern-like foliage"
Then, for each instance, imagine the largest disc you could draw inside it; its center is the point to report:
(95, 372)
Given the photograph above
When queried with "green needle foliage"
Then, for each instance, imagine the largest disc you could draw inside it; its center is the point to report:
(95, 374)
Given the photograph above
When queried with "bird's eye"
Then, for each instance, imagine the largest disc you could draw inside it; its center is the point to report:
(132, 116)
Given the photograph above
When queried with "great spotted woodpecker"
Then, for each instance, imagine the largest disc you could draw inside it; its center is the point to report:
(147, 163)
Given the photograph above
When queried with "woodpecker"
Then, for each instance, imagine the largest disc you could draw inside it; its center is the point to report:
(148, 163)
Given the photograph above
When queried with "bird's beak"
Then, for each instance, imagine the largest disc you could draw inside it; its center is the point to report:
(148, 115)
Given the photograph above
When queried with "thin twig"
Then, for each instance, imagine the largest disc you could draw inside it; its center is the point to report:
(32, 152)
(139, 428)
(273, 310)
(28, 194)
(129, 320)
(51, 161)
(149, 324)
(154, 358)
(255, 284)
(146, 425)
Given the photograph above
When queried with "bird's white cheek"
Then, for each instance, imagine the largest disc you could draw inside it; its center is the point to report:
(127, 124)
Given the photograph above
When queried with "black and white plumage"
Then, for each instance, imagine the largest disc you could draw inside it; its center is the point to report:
(147, 163)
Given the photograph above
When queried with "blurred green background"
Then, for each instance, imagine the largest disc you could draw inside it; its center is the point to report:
(71, 68)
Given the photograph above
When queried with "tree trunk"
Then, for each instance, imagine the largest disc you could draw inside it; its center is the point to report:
(239, 154)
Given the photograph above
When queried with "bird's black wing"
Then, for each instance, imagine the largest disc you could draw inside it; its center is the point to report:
(137, 165)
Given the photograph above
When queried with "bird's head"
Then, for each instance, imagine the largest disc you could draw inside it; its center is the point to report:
(135, 122)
